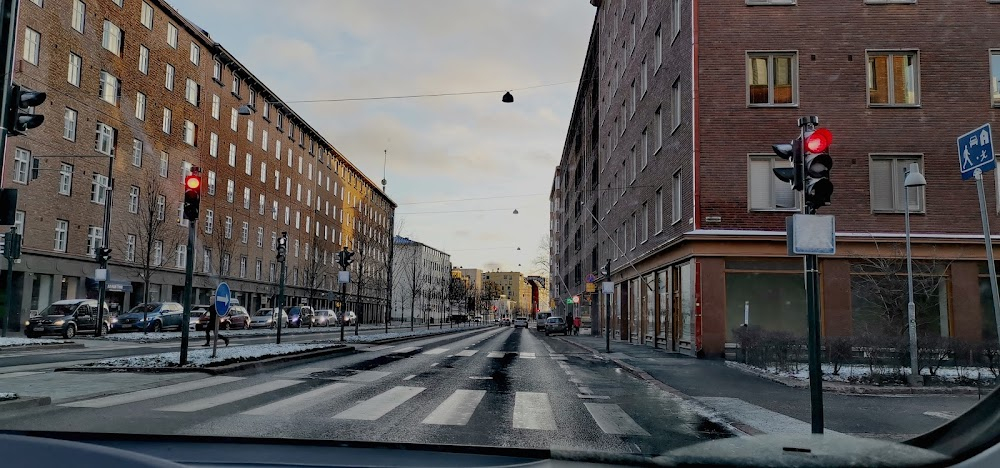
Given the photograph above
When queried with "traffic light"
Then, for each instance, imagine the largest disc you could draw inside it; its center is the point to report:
(103, 255)
(817, 162)
(793, 153)
(282, 246)
(19, 120)
(192, 195)
(344, 258)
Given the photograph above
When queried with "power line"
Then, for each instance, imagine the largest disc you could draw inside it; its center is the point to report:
(413, 96)
(452, 211)
(472, 199)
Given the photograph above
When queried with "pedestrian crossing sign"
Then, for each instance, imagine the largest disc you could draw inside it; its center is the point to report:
(975, 151)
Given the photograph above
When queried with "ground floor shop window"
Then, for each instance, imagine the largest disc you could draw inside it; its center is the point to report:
(686, 286)
(776, 301)
(879, 297)
(989, 328)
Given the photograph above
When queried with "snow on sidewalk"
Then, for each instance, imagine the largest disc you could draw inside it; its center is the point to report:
(851, 373)
(15, 341)
(7, 396)
(203, 357)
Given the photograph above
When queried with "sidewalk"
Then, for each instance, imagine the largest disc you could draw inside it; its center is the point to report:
(757, 405)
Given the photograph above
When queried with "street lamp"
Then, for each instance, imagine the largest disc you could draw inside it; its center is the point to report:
(244, 110)
(913, 179)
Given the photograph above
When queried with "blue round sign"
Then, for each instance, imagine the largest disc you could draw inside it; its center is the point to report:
(222, 299)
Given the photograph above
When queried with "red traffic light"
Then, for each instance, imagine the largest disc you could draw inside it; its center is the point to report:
(819, 140)
(192, 182)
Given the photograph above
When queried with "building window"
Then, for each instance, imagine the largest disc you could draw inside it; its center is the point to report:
(658, 121)
(181, 256)
(161, 207)
(246, 198)
(215, 107)
(250, 130)
(105, 140)
(886, 174)
(263, 172)
(658, 216)
(62, 230)
(224, 270)
(65, 179)
(172, 35)
(209, 221)
(766, 192)
(137, 152)
(168, 80)
(190, 133)
(995, 76)
(133, 199)
(893, 79)
(74, 69)
(772, 78)
(675, 104)
(195, 55)
(675, 16)
(236, 85)
(146, 16)
(248, 164)
(658, 49)
(213, 145)
(167, 114)
(110, 88)
(164, 163)
(232, 155)
(143, 60)
(228, 227)
(69, 124)
(95, 238)
(676, 198)
(211, 182)
(260, 236)
(191, 92)
(157, 253)
(206, 261)
(632, 160)
(112, 39)
(32, 41)
(130, 248)
(645, 222)
(233, 119)
(256, 270)
(79, 15)
(140, 106)
(230, 190)
(217, 70)
(245, 232)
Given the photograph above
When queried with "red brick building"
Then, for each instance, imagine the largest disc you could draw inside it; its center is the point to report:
(693, 93)
(135, 83)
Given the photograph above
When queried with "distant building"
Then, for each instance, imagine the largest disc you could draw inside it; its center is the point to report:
(514, 285)
(421, 276)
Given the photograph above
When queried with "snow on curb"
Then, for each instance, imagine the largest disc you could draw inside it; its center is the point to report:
(8, 396)
(15, 341)
(203, 357)
(139, 337)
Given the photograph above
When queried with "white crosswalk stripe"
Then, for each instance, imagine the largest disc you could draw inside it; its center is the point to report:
(435, 351)
(758, 417)
(613, 420)
(495, 354)
(379, 405)
(141, 395)
(457, 409)
(407, 349)
(19, 374)
(526, 355)
(301, 400)
(229, 397)
(532, 411)
(467, 352)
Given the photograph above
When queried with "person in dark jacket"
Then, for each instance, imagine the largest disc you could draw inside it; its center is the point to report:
(212, 320)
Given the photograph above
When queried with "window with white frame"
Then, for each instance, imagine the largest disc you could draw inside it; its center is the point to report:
(893, 78)
(161, 207)
(137, 152)
(211, 182)
(657, 48)
(233, 119)
(213, 145)
(228, 227)
(32, 43)
(263, 172)
(112, 38)
(246, 198)
(206, 261)
(74, 69)
(232, 155)
(140, 106)
(256, 270)
(143, 60)
(19, 222)
(215, 106)
(191, 92)
(65, 179)
(180, 256)
(260, 205)
(190, 133)
(677, 207)
(230, 190)
(765, 191)
(95, 238)
(224, 269)
(236, 85)
(109, 88)
(195, 54)
(248, 164)
(658, 214)
(172, 35)
(209, 221)
(658, 122)
(249, 130)
(675, 105)
(62, 231)
(995, 77)
(168, 80)
(167, 114)
(217, 70)
(105, 139)
(260, 236)
(245, 232)
(146, 16)
(888, 194)
(79, 19)
(130, 247)
(133, 199)
(69, 124)
(157, 253)
(164, 163)
(243, 266)
(772, 78)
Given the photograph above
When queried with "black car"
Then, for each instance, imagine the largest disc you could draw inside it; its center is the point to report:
(67, 318)
(300, 315)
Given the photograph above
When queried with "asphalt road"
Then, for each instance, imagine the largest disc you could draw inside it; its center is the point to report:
(496, 386)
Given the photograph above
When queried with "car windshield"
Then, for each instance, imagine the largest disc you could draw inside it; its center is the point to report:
(144, 308)
(264, 313)
(57, 310)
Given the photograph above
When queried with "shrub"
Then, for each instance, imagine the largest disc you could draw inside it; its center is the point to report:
(932, 351)
(749, 339)
(989, 351)
(839, 351)
(784, 347)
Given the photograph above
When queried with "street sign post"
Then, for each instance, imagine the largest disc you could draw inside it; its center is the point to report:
(223, 297)
(975, 156)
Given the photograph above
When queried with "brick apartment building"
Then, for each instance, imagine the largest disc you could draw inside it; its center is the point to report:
(134, 81)
(675, 161)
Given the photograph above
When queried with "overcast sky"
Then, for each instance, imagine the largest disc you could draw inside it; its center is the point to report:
(441, 148)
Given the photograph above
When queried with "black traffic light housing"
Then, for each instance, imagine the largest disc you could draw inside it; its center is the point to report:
(192, 195)
(793, 153)
(282, 246)
(344, 258)
(103, 255)
(20, 99)
(817, 164)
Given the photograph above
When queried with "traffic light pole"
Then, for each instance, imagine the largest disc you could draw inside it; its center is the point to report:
(812, 300)
(343, 307)
(188, 279)
(8, 20)
(103, 259)
(281, 298)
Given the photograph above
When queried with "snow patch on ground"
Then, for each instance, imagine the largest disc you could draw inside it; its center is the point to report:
(7, 396)
(850, 373)
(139, 337)
(203, 357)
(14, 341)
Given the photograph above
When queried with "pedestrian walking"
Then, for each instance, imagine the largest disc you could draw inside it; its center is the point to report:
(576, 325)
(212, 320)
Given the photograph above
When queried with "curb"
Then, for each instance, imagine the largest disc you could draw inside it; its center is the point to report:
(25, 402)
(325, 330)
(734, 427)
(220, 369)
(856, 389)
(71, 345)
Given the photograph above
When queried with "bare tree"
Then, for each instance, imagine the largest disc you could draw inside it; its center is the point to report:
(541, 261)
(412, 275)
(156, 234)
(223, 247)
(315, 271)
(457, 294)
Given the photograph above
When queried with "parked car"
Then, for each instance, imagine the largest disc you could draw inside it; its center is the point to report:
(265, 318)
(324, 318)
(540, 319)
(300, 315)
(195, 317)
(154, 317)
(521, 322)
(67, 318)
(351, 319)
(505, 322)
(555, 325)
(237, 318)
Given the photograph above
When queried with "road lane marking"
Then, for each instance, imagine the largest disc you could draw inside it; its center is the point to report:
(532, 411)
(378, 405)
(495, 354)
(467, 352)
(457, 409)
(304, 372)
(613, 420)
(299, 402)
(434, 364)
(409, 377)
(150, 393)
(378, 348)
(19, 374)
(229, 397)
(949, 415)
(364, 376)
(479, 377)
(587, 396)
(585, 390)
(526, 355)
(435, 351)
(408, 349)
(762, 419)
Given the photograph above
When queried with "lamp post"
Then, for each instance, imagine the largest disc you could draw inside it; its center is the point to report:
(913, 179)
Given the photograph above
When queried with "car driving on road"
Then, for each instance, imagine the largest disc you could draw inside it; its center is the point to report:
(540, 320)
(67, 318)
(521, 322)
(555, 325)
(154, 317)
